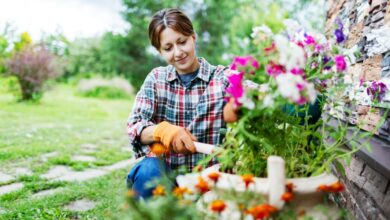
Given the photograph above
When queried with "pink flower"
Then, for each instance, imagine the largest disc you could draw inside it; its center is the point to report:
(318, 48)
(299, 43)
(340, 63)
(300, 86)
(301, 101)
(274, 69)
(244, 62)
(309, 40)
(236, 89)
(297, 71)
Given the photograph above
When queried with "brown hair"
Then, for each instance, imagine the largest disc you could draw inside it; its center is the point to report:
(169, 18)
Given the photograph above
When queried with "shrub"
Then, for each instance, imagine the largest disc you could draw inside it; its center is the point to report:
(33, 66)
(115, 88)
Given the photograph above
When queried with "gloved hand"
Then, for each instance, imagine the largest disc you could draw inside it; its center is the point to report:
(175, 138)
(230, 111)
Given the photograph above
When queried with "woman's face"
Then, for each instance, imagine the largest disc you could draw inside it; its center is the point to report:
(178, 50)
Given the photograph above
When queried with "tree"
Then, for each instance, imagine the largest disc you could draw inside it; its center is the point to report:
(213, 23)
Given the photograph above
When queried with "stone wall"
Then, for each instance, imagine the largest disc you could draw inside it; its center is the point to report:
(367, 194)
(367, 27)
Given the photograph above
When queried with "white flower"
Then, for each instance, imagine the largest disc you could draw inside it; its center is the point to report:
(290, 54)
(311, 92)
(249, 84)
(268, 101)
(294, 87)
(247, 102)
(259, 30)
(287, 86)
(264, 88)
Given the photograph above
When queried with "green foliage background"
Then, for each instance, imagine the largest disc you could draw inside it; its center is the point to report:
(222, 27)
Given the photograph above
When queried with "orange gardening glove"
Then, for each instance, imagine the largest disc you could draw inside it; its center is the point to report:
(175, 138)
(230, 111)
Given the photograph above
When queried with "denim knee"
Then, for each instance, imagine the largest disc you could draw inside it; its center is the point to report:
(143, 173)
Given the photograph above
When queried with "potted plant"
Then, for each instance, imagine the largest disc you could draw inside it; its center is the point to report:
(276, 156)
(275, 100)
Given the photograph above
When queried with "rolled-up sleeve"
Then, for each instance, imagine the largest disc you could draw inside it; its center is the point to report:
(142, 114)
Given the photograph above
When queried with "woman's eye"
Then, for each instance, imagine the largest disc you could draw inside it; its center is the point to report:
(182, 42)
(167, 49)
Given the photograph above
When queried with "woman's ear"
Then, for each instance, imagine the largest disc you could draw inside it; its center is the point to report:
(194, 37)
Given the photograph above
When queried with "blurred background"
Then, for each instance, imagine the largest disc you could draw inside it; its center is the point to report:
(108, 38)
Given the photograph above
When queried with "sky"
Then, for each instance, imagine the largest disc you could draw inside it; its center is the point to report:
(74, 18)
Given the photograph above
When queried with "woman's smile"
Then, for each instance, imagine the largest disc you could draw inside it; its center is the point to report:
(182, 60)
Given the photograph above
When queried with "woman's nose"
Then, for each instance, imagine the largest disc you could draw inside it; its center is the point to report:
(177, 51)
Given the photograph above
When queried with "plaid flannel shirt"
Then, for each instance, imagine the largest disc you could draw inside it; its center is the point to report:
(198, 107)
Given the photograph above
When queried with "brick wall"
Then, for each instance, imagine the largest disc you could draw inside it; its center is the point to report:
(367, 193)
(367, 26)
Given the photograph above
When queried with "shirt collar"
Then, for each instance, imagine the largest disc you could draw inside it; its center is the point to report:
(204, 71)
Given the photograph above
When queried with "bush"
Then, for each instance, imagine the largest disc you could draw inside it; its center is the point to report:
(116, 88)
(33, 66)
(10, 85)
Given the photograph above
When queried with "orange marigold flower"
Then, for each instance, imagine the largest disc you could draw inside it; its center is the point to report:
(336, 187)
(214, 176)
(158, 148)
(218, 206)
(261, 211)
(247, 178)
(202, 185)
(323, 188)
(289, 187)
(159, 190)
(180, 191)
(287, 196)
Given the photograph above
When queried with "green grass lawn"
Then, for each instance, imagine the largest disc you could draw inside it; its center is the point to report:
(62, 123)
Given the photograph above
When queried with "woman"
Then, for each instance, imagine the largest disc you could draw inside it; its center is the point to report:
(176, 105)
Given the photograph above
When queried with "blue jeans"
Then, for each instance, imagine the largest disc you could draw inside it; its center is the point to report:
(143, 173)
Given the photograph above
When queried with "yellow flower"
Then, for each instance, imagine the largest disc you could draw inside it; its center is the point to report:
(159, 190)
(180, 191)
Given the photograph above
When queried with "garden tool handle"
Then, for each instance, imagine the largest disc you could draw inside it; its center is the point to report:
(206, 148)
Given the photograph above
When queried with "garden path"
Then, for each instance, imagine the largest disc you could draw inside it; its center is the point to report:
(9, 180)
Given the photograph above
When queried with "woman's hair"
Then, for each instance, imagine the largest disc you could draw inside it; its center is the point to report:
(169, 18)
